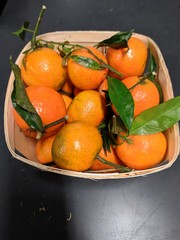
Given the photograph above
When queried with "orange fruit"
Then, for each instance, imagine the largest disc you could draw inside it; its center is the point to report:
(82, 77)
(109, 156)
(76, 91)
(50, 106)
(67, 100)
(43, 67)
(145, 94)
(43, 149)
(89, 106)
(142, 151)
(67, 87)
(103, 88)
(76, 146)
(128, 62)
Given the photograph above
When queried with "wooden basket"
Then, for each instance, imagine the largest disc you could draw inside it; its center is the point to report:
(23, 148)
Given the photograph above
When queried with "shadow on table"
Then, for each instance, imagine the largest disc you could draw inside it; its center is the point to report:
(36, 209)
(46, 205)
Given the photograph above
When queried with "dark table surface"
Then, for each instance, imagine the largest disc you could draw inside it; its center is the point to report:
(38, 205)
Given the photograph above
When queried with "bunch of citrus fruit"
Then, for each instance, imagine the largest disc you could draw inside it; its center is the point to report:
(81, 105)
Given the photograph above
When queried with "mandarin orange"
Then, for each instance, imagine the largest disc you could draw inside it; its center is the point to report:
(76, 146)
(67, 87)
(145, 94)
(50, 106)
(103, 88)
(43, 67)
(128, 62)
(67, 100)
(86, 78)
(142, 151)
(88, 106)
(76, 91)
(110, 156)
(43, 149)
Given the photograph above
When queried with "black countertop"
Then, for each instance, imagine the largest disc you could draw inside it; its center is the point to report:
(40, 205)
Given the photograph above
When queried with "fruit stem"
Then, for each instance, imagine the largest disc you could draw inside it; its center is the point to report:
(76, 46)
(33, 40)
(121, 168)
(140, 81)
(56, 122)
(103, 64)
(114, 126)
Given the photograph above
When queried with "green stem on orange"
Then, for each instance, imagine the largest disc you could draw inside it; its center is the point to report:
(76, 46)
(114, 125)
(56, 122)
(33, 40)
(103, 64)
(40, 134)
(121, 168)
(145, 76)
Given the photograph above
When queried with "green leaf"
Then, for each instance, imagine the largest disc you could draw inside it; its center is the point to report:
(152, 65)
(22, 103)
(87, 62)
(118, 40)
(65, 58)
(161, 97)
(22, 31)
(67, 49)
(122, 99)
(108, 139)
(158, 118)
(152, 71)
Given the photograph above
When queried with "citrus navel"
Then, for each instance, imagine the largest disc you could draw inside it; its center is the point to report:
(43, 67)
(76, 146)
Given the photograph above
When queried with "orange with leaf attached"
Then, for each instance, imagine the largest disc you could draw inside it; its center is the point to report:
(84, 77)
(50, 106)
(110, 156)
(145, 93)
(129, 61)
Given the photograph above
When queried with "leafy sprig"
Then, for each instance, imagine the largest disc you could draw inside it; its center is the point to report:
(24, 28)
(117, 41)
